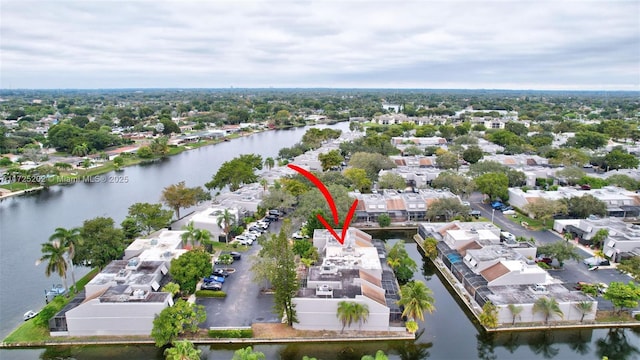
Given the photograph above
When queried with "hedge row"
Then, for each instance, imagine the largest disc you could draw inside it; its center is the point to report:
(231, 333)
(211, 293)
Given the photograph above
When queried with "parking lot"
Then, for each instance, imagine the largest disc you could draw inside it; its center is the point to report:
(244, 304)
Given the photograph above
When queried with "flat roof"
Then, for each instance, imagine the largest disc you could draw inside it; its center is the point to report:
(522, 294)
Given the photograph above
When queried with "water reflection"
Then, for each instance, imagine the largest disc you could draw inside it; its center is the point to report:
(413, 350)
(543, 344)
(615, 345)
(580, 341)
(486, 345)
(339, 351)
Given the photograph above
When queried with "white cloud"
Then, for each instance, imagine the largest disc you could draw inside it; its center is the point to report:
(330, 43)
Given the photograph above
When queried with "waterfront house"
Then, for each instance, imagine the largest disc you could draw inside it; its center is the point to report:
(354, 271)
(486, 268)
(125, 297)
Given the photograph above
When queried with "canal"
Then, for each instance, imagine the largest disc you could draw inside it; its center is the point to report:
(448, 333)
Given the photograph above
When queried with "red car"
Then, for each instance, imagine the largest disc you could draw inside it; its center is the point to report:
(545, 260)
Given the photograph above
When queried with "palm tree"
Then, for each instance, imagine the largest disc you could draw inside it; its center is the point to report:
(361, 313)
(548, 307)
(346, 313)
(416, 298)
(182, 350)
(225, 221)
(584, 307)
(269, 163)
(80, 150)
(54, 253)
(190, 234)
(350, 312)
(69, 239)
(515, 312)
(599, 237)
(196, 236)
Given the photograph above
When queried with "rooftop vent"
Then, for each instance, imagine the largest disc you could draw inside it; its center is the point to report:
(154, 242)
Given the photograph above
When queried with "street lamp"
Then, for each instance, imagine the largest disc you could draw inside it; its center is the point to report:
(493, 212)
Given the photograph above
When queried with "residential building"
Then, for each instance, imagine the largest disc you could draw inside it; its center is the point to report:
(354, 271)
(623, 240)
(400, 206)
(125, 297)
(619, 202)
(487, 268)
(208, 218)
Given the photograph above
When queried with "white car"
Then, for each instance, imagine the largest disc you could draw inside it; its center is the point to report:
(298, 236)
(250, 236)
(243, 240)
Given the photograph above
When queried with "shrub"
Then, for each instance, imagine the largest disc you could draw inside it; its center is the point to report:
(637, 317)
(211, 293)
(544, 265)
(231, 333)
(49, 311)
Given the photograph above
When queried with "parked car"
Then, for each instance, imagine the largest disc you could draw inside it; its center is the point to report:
(234, 254)
(257, 228)
(275, 212)
(220, 272)
(506, 208)
(497, 205)
(509, 212)
(602, 287)
(475, 213)
(298, 236)
(214, 278)
(271, 218)
(596, 261)
(215, 286)
(243, 240)
(227, 260)
(580, 284)
(545, 260)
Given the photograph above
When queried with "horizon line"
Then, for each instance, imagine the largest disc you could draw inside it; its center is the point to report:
(322, 88)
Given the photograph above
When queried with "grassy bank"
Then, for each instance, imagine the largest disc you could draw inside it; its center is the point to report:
(36, 329)
(79, 175)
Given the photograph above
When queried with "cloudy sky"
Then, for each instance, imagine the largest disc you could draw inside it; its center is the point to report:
(506, 44)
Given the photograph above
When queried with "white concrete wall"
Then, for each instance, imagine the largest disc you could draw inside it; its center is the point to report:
(321, 314)
(569, 310)
(125, 318)
(520, 278)
(517, 198)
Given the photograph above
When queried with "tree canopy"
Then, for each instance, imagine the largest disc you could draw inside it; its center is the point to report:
(102, 242)
(236, 172)
(176, 320)
(177, 196)
(149, 217)
(189, 268)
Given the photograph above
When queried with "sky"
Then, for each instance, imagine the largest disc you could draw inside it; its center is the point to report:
(452, 44)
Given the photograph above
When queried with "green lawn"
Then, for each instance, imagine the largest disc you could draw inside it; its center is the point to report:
(18, 186)
(533, 224)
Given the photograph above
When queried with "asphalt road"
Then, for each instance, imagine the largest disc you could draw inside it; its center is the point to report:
(573, 271)
(244, 304)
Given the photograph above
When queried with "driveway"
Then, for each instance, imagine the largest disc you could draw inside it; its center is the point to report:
(573, 271)
(244, 303)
